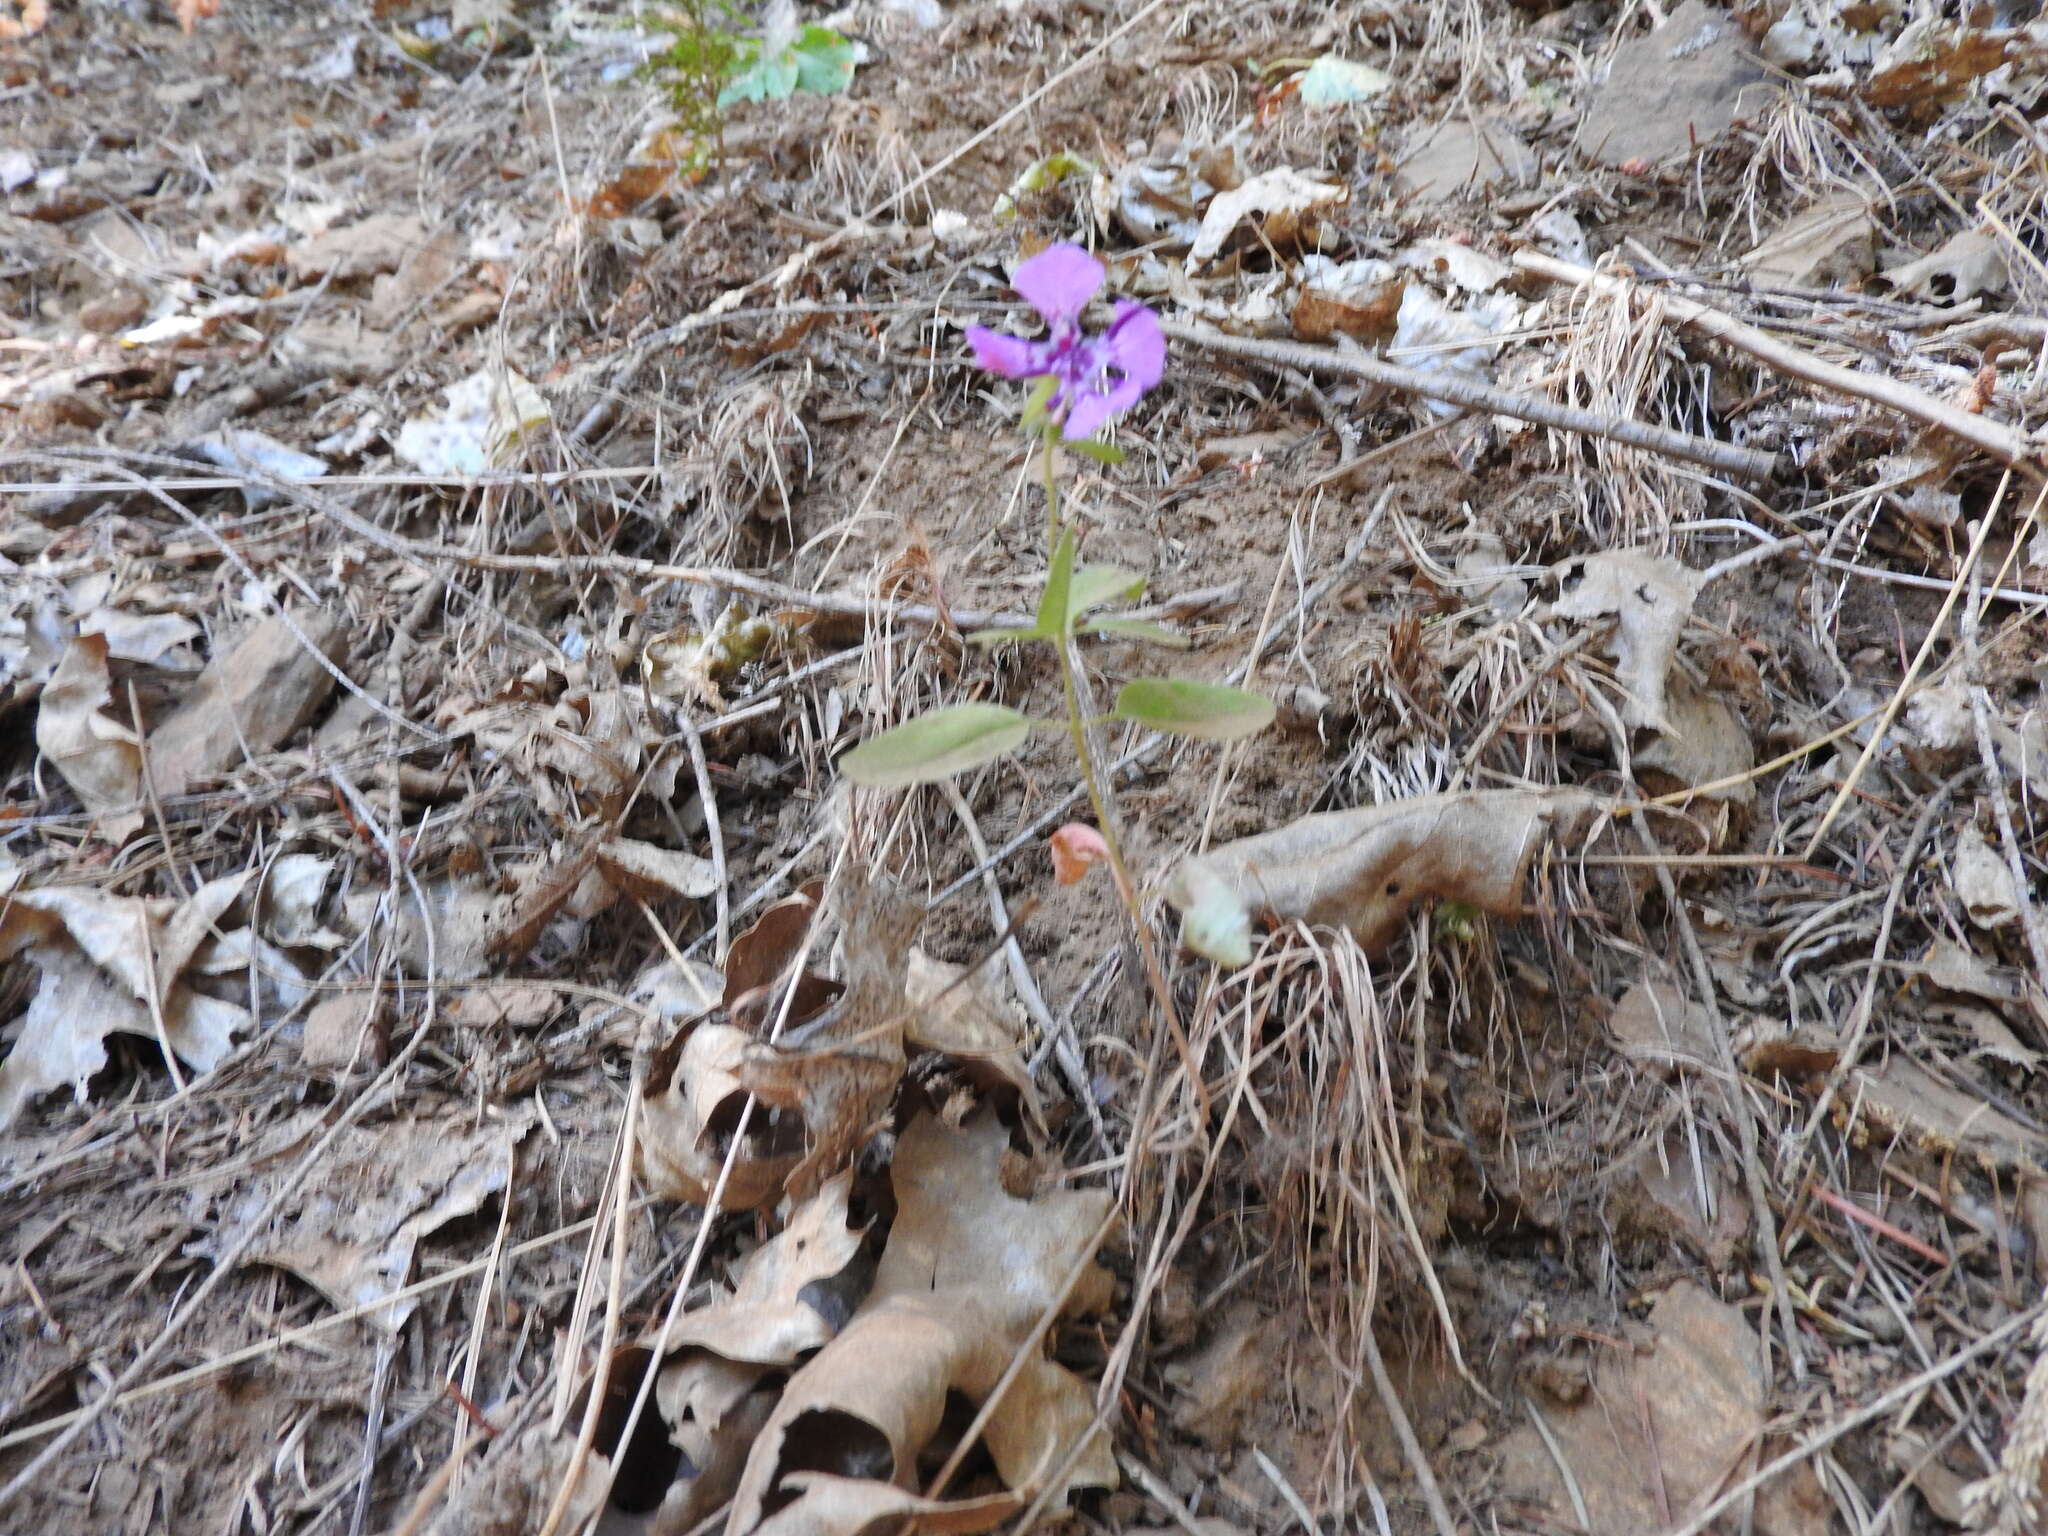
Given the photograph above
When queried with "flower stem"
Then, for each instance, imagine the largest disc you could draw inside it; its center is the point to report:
(1098, 799)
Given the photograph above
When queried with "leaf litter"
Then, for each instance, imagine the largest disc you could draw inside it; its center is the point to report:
(447, 579)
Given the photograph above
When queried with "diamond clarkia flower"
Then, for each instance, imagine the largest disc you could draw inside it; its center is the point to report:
(1095, 376)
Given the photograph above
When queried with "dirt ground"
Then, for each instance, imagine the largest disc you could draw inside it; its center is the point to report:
(452, 536)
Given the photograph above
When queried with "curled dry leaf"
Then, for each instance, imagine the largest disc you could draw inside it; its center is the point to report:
(1363, 869)
(967, 1273)
(100, 959)
(1968, 264)
(692, 1107)
(1285, 201)
(726, 1361)
(761, 958)
(651, 873)
(956, 1014)
(840, 1075)
(1982, 882)
(98, 756)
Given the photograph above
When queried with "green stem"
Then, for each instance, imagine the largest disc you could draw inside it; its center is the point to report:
(1098, 798)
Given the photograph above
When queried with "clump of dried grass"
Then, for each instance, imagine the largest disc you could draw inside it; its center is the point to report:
(866, 159)
(1620, 362)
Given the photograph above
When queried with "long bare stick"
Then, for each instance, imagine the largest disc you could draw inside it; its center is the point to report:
(2007, 444)
(1455, 389)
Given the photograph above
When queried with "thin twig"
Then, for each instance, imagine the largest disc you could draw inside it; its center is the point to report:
(2007, 444)
(1411, 1447)
(1877, 1408)
(1456, 389)
(1739, 1107)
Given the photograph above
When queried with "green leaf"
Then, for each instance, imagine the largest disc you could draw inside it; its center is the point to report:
(1143, 630)
(824, 61)
(1038, 176)
(765, 77)
(1095, 585)
(1055, 608)
(936, 746)
(1004, 636)
(1101, 453)
(1210, 711)
(1034, 404)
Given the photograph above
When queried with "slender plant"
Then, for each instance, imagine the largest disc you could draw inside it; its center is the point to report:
(1083, 379)
(712, 60)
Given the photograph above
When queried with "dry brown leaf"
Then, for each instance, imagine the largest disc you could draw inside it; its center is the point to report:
(651, 873)
(840, 1075)
(463, 919)
(1284, 201)
(100, 958)
(761, 957)
(692, 1105)
(1833, 242)
(1902, 1097)
(1646, 597)
(335, 1035)
(1953, 968)
(98, 756)
(968, 1271)
(1704, 741)
(380, 243)
(1662, 1431)
(1966, 265)
(1657, 1023)
(955, 1014)
(505, 1004)
(1933, 61)
(352, 1231)
(1217, 1386)
(726, 1360)
(784, 1304)
(1982, 882)
(1363, 869)
(249, 699)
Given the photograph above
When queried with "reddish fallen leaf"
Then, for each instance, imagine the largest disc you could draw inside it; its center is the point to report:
(189, 11)
(1076, 849)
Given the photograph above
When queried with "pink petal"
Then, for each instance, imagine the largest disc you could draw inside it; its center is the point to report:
(1059, 281)
(1014, 357)
(1136, 345)
(1087, 417)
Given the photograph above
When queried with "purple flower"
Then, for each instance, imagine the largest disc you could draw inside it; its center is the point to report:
(1097, 376)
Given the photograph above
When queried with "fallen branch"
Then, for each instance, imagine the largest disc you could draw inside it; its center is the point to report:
(2005, 443)
(1454, 389)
